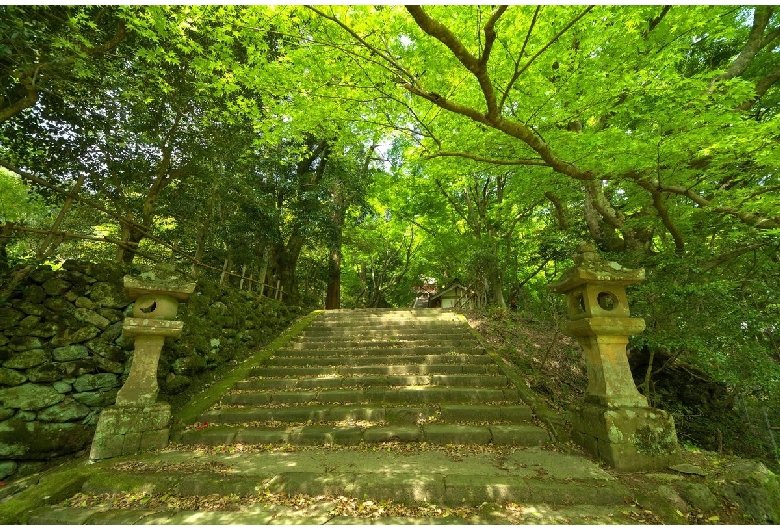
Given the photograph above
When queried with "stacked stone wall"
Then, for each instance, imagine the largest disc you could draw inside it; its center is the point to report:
(63, 356)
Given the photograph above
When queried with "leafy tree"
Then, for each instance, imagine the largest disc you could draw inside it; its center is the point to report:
(355, 149)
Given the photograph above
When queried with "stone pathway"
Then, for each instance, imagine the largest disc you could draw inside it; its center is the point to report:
(366, 377)
(366, 417)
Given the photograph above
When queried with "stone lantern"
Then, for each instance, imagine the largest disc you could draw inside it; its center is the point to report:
(615, 422)
(137, 422)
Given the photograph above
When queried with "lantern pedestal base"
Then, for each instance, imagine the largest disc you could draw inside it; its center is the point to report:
(127, 430)
(626, 438)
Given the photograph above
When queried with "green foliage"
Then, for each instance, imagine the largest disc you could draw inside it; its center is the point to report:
(260, 140)
(18, 203)
(716, 320)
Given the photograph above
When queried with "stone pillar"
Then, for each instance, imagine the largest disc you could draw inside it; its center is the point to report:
(137, 422)
(615, 422)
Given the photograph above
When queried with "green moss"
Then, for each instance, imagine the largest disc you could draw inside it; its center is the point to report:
(52, 488)
(655, 442)
(200, 403)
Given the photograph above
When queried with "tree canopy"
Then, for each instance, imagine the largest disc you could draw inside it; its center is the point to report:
(342, 155)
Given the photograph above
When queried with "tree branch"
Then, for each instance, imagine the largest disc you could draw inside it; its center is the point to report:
(769, 37)
(761, 88)
(398, 68)
(512, 128)
(43, 248)
(657, 20)
(533, 274)
(452, 202)
(146, 231)
(28, 100)
(490, 35)
(761, 223)
(442, 33)
(663, 213)
(761, 17)
(560, 210)
(566, 28)
(494, 161)
(30, 75)
(731, 255)
(516, 73)
(596, 197)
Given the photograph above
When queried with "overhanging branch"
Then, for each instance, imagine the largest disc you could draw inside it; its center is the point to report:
(494, 161)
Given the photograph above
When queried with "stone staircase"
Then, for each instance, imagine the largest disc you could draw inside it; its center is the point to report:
(361, 377)
(372, 410)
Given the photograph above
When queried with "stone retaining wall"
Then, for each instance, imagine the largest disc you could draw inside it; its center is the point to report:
(63, 356)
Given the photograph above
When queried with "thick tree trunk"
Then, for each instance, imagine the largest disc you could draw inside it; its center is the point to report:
(333, 296)
(283, 262)
(333, 293)
(496, 288)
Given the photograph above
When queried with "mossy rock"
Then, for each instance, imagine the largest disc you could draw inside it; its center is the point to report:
(39, 440)
(174, 383)
(754, 488)
(188, 365)
(41, 274)
(34, 294)
(107, 272)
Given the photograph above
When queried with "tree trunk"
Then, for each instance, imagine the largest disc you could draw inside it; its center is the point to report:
(263, 270)
(203, 234)
(496, 288)
(48, 245)
(133, 242)
(333, 296)
(5, 238)
(283, 263)
(162, 178)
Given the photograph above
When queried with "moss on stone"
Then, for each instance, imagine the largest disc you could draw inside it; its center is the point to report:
(656, 441)
(52, 488)
(190, 412)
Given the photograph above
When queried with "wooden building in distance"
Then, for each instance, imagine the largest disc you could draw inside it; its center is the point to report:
(456, 296)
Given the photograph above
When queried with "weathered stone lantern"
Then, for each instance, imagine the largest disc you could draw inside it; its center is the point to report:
(137, 422)
(615, 422)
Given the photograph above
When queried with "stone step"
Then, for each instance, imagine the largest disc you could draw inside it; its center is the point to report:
(374, 396)
(385, 333)
(361, 358)
(467, 380)
(375, 369)
(394, 415)
(387, 325)
(319, 510)
(371, 343)
(526, 476)
(337, 351)
(352, 314)
(499, 435)
(388, 318)
(420, 326)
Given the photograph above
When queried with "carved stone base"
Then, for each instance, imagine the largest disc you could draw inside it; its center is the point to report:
(124, 430)
(626, 438)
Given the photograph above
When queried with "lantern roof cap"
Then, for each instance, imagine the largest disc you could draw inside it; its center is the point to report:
(590, 267)
(159, 280)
